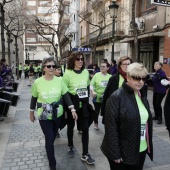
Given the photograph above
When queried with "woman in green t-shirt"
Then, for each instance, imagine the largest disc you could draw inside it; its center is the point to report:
(97, 86)
(47, 92)
(77, 80)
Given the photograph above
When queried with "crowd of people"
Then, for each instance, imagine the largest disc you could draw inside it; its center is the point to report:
(60, 97)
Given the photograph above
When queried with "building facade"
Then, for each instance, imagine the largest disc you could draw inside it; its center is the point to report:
(40, 16)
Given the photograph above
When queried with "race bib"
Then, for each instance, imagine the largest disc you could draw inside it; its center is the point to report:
(143, 132)
(104, 83)
(82, 93)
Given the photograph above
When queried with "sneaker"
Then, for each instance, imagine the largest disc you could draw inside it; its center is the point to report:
(87, 158)
(70, 152)
(159, 121)
(96, 126)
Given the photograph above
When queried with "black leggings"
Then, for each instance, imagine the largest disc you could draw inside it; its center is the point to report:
(157, 100)
(97, 107)
(84, 123)
(121, 166)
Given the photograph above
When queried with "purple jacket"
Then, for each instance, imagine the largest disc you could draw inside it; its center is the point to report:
(157, 86)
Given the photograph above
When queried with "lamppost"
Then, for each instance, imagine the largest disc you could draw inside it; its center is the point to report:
(27, 56)
(70, 38)
(56, 51)
(113, 9)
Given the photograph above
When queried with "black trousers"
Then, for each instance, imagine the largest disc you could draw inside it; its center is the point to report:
(20, 72)
(157, 100)
(97, 107)
(121, 166)
(50, 129)
(84, 123)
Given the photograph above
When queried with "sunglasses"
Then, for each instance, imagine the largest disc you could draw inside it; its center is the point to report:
(78, 59)
(135, 78)
(51, 66)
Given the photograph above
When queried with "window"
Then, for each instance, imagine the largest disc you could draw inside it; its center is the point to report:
(146, 6)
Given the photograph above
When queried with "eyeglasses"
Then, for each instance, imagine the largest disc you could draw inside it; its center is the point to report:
(78, 59)
(102, 66)
(126, 64)
(135, 78)
(51, 66)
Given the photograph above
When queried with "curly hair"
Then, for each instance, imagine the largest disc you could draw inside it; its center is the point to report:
(72, 58)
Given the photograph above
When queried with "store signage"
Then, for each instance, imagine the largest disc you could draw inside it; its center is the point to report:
(82, 49)
(160, 2)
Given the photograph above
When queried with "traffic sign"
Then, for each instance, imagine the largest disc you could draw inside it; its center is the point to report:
(160, 2)
(82, 49)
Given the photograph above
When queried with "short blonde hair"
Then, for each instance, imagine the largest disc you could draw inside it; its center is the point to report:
(136, 69)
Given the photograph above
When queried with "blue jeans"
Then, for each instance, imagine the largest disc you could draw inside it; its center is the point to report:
(50, 129)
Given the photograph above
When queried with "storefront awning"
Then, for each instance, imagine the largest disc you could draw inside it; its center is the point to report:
(148, 35)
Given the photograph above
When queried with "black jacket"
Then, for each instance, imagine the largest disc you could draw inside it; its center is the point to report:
(112, 86)
(167, 111)
(123, 126)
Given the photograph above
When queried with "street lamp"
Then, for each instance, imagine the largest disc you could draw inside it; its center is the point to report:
(70, 38)
(113, 9)
(56, 50)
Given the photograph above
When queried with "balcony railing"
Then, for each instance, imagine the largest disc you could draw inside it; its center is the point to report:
(86, 11)
(97, 3)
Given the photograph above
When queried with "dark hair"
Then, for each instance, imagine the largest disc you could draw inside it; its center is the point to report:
(97, 67)
(107, 64)
(46, 60)
(3, 60)
(105, 60)
(72, 58)
(58, 65)
(121, 59)
(114, 61)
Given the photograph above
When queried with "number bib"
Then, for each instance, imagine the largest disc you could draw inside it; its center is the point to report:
(104, 83)
(82, 93)
(143, 132)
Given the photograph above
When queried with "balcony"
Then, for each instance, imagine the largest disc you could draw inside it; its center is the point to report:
(66, 2)
(86, 11)
(97, 4)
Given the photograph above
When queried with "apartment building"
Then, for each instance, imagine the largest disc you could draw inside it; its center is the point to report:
(69, 27)
(153, 31)
(36, 46)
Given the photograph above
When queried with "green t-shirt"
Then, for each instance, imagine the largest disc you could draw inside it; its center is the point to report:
(121, 80)
(48, 92)
(76, 81)
(20, 67)
(99, 82)
(36, 69)
(144, 117)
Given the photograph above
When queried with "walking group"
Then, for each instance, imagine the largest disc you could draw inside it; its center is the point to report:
(119, 93)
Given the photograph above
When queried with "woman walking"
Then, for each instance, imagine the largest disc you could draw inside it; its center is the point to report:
(77, 80)
(47, 92)
(128, 123)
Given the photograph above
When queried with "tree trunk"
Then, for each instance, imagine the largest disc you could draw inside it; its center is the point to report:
(9, 50)
(17, 57)
(94, 53)
(135, 32)
(2, 31)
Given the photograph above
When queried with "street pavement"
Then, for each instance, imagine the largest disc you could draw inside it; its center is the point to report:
(22, 142)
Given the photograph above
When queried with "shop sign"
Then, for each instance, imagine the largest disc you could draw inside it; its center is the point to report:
(160, 2)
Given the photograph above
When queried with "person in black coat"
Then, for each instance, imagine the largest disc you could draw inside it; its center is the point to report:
(128, 123)
(115, 81)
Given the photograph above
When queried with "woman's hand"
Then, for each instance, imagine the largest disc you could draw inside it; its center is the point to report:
(94, 94)
(32, 117)
(118, 160)
(74, 114)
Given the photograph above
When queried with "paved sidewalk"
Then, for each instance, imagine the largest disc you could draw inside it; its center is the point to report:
(22, 143)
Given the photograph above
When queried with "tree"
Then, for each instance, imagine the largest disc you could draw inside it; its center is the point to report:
(97, 24)
(2, 11)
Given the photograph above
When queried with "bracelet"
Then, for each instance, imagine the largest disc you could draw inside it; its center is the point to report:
(32, 110)
(71, 107)
(73, 110)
